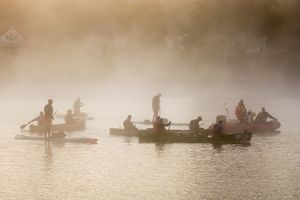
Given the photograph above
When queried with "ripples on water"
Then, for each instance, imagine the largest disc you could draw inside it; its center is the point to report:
(122, 168)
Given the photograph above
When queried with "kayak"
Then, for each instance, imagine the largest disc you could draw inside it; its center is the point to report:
(78, 140)
(255, 127)
(169, 137)
(76, 126)
(81, 116)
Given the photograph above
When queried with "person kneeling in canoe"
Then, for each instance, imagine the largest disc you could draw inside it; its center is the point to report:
(39, 119)
(128, 124)
(263, 116)
(194, 126)
(69, 118)
(218, 129)
(160, 126)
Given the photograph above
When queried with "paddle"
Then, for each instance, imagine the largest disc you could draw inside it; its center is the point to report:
(24, 125)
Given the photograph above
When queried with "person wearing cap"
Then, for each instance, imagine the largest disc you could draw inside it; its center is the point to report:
(128, 124)
(194, 125)
(77, 105)
(48, 113)
(218, 129)
(69, 118)
(263, 116)
(156, 106)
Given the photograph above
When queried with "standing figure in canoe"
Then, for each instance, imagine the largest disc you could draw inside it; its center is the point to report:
(156, 106)
(48, 110)
(194, 126)
(128, 124)
(241, 111)
(77, 105)
(263, 116)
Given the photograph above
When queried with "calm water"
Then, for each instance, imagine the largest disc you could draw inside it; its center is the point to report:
(122, 168)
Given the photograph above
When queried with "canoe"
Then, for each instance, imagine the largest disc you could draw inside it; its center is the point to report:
(123, 132)
(81, 116)
(148, 122)
(78, 140)
(171, 137)
(76, 126)
(270, 126)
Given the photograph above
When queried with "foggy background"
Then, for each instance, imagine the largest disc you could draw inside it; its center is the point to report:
(136, 48)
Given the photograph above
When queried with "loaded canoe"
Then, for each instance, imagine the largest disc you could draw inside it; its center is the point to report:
(76, 126)
(78, 140)
(241, 138)
(270, 126)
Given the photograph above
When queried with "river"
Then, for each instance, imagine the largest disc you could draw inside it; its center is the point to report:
(123, 168)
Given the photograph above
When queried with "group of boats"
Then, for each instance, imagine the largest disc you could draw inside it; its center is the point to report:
(234, 132)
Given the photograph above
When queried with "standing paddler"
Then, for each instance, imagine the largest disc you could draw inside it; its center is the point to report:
(156, 106)
(76, 106)
(48, 112)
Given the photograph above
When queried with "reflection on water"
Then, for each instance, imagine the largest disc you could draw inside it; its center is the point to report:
(123, 168)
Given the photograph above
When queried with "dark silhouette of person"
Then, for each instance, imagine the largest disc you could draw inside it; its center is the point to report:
(128, 124)
(263, 116)
(156, 106)
(69, 118)
(48, 110)
(218, 129)
(194, 125)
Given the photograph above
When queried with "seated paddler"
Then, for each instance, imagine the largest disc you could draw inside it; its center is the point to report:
(128, 124)
(263, 116)
(69, 118)
(194, 125)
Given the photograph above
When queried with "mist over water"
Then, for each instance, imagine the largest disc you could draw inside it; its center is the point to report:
(116, 55)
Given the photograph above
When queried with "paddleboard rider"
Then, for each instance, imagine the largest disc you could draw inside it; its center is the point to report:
(48, 110)
(156, 106)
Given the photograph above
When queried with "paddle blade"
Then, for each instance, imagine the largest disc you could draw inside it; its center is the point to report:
(23, 126)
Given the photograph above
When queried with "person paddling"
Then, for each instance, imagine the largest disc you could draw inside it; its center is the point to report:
(263, 116)
(156, 106)
(160, 126)
(128, 124)
(69, 118)
(194, 125)
(48, 110)
(39, 119)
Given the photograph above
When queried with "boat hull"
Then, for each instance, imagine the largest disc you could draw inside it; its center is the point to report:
(77, 126)
(77, 140)
(243, 138)
(253, 127)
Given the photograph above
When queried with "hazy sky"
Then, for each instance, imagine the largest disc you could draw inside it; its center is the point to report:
(157, 43)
